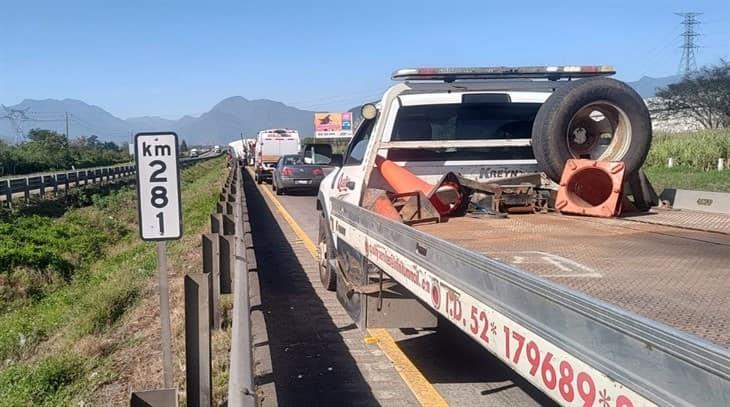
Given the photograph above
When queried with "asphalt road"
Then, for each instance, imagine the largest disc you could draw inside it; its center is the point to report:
(462, 371)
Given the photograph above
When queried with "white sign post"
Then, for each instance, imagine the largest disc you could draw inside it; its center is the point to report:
(160, 214)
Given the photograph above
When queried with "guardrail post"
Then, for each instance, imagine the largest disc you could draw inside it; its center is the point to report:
(229, 225)
(8, 193)
(198, 377)
(225, 208)
(26, 191)
(227, 256)
(216, 222)
(222, 224)
(211, 265)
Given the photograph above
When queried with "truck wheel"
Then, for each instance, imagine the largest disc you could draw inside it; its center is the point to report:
(598, 119)
(326, 249)
(258, 179)
(279, 191)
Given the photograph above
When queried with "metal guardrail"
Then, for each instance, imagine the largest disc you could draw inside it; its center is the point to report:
(225, 271)
(659, 363)
(51, 182)
(241, 391)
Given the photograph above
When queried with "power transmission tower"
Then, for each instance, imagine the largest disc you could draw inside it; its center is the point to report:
(688, 65)
(16, 117)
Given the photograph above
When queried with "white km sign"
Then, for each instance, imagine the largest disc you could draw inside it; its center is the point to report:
(158, 186)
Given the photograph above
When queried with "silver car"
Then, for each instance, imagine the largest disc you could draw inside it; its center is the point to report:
(291, 173)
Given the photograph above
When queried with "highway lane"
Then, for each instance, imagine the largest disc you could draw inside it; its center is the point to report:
(461, 370)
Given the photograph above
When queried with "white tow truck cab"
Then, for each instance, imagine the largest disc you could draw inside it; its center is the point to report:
(270, 145)
(560, 299)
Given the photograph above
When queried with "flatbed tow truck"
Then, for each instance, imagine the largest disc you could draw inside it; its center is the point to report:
(594, 311)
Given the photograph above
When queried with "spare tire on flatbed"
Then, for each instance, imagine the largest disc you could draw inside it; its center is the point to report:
(597, 118)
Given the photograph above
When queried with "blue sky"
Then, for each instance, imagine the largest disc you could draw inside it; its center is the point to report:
(171, 58)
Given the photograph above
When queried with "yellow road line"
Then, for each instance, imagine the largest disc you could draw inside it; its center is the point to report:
(424, 391)
(311, 247)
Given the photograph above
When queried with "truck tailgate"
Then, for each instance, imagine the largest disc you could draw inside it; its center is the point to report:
(670, 266)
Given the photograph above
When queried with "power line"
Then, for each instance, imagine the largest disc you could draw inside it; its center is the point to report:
(688, 63)
(17, 117)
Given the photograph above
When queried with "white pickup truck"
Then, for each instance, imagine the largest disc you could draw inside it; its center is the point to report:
(623, 311)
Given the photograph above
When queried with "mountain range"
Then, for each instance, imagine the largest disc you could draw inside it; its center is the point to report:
(220, 125)
(223, 123)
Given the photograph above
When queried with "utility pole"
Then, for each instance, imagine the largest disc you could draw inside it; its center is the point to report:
(687, 64)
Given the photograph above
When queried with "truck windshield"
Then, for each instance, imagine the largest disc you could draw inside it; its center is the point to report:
(466, 121)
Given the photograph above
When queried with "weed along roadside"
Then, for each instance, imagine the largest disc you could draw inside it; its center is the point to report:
(690, 160)
(79, 320)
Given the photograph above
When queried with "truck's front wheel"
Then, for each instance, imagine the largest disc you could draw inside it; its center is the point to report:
(326, 250)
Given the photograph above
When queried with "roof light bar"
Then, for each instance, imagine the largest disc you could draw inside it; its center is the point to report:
(502, 72)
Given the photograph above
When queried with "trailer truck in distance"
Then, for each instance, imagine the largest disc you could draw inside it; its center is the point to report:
(270, 145)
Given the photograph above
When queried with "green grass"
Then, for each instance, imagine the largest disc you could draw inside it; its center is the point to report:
(688, 178)
(93, 301)
(49, 382)
(695, 156)
(698, 150)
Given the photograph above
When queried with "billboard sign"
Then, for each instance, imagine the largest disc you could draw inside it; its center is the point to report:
(333, 125)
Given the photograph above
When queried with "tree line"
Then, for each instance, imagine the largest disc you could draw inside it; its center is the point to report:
(46, 150)
(703, 97)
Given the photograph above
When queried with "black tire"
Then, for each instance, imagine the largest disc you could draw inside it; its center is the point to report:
(279, 191)
(563, 116)
(326, 275)
(258, 179)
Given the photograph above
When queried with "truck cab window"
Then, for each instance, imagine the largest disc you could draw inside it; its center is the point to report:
(359, 143)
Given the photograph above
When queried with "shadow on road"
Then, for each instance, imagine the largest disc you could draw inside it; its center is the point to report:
(310, 362)
(464, 361)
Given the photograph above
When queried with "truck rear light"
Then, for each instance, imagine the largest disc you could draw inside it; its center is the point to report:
(287, 172)
(317, 171)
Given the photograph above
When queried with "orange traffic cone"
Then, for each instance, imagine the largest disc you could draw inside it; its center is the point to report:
(591, 188)
(383, 206)
(444, 197)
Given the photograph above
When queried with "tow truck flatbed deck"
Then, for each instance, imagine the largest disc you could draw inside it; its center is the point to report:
(668, 266)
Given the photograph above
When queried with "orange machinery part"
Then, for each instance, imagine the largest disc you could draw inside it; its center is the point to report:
(591, 188)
